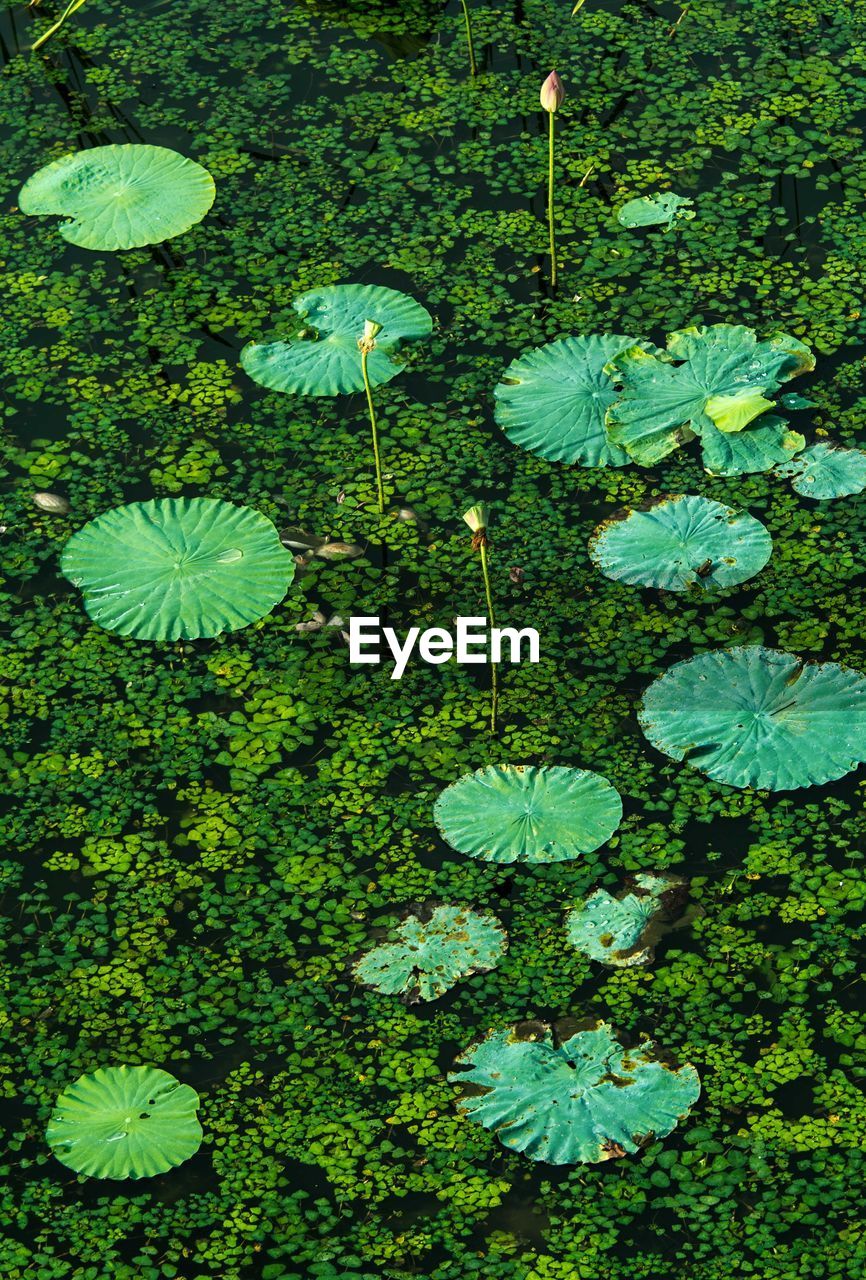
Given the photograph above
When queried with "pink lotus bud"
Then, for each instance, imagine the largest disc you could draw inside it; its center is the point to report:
(552, 93)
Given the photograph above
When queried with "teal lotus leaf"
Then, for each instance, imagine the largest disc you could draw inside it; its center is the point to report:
(756, 717)
(428, 957)
(528, 813)
(324, 359)
(125, 1122)
(122, 196)
(679, 543)
(768, 443)
(553, 400)
(827, 471)
(663, 209)
(715, 378)
(178, 568)
(578, 1101)
(619, 931)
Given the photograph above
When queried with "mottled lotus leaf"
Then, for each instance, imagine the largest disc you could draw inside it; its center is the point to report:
(756, 717)
(528, 813)
(766, 444)
(552, 401)
(716, 378)
(178, 568)
(324, 359)
(662, 209)
(579, 1101)
(827, 471)
(125, 1122)
(122, 196)
(428, 957)
(681, 542)
(616, 930)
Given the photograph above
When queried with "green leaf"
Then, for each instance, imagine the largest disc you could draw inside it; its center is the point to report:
(122, 196)
(553, 400)
(662, 209)
(618, 931)
(324, 359)
(527, 813)
(679, 543)
(765, 445)
(580, 1101)
(428, 957)
(732, 413)
(125, 1122)
(178, 568)
(827, 471)
(756, 717)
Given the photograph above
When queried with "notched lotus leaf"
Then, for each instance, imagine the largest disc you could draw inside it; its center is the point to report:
(122, 196)
(580, 1100)
(427, 957)
(125, 1122)
(767, 443)
(324, 360)
(664, 209)
(622, 931)
(178, 568)
(827, 471)
(756, 717)
(528, 813)
(680, 543)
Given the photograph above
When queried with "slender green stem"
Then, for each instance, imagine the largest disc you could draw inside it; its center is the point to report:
(70, 9)
(472, 67)
(550, 116)
(379, 486)
(491, 622)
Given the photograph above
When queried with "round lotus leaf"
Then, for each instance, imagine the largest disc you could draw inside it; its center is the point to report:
(122, 196)
(718, 377)
(528, 813)
(663, 209)
(178, 568)
(618, 931)
(324, 359)
(681, 542)
(827, 471)
(125, 1122)
(553, 400)
(767, 443)
(428, 957)
(756, 717)
(579, 1101)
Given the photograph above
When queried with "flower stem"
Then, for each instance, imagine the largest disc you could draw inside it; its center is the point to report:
(379, 487)
(67, 12)
(550, 115)
(472, 67)
(494, 682)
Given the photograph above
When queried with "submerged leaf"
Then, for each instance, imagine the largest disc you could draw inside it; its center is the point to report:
(619, 931)
(429, 957)
(827, 471)
(580, 1101)
(662, 209)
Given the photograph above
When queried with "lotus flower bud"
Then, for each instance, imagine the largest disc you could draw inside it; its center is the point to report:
(478, 517)
(368, 341)
(552, 93)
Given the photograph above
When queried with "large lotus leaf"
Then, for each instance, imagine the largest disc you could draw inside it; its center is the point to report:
(125, 1122)
(756, 717)
(681, 542)
(553, 400)
(122, 196)
(578, 1102)
(528, 813)
(617, 931)
(428, 957)
(663, 209)
(324, 359)
(764, 446)
(178, 568)
(827, 471)
(720, 380)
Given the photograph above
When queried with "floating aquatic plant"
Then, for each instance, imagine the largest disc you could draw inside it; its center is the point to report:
(827, 471)
(178, 568)
(581, 1099)
(478, 518)
(125, 1122)
(663, 209)
(621, 931)
(552, 98)
(756, 717)
(681, 542)
(428, 956)
(122, 196)
(528, 813)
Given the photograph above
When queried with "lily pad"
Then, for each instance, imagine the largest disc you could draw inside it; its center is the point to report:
(715, 379)
(756, 717)
(768, 443)
(553, 400)
(580, 1100)
(122, 196)
(178, 568)
(619, 931)
(323, 358)
(125, 1122)
(428, 957)
(528, 813)
(662, 209)
(827, 471)
(681, 542)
